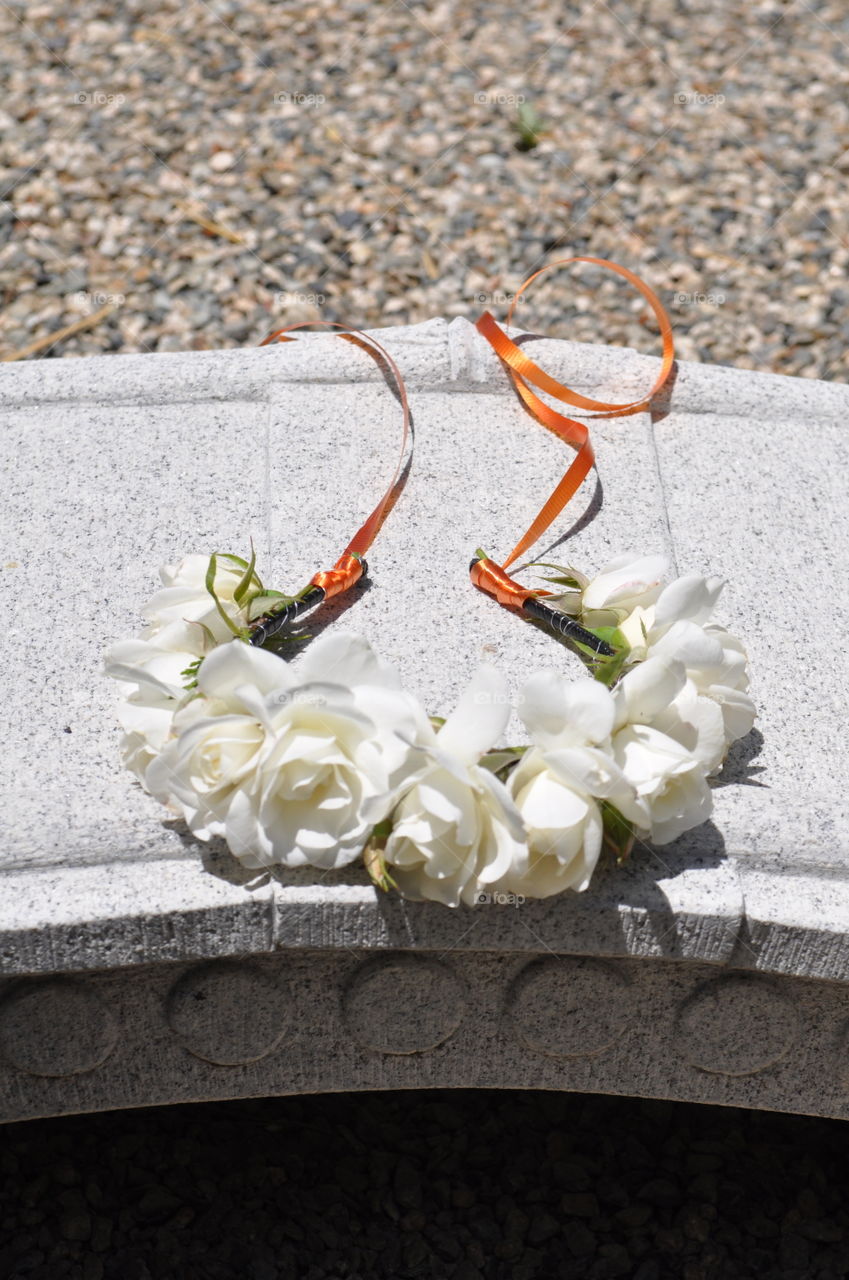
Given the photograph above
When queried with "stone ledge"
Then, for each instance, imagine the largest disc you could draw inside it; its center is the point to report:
(447, 354)
(67, 919)
(122, 463)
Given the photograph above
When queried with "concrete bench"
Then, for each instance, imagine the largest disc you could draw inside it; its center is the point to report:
(140, 966)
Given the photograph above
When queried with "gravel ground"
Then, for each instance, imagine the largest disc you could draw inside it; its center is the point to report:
(209, 168)
(453, 1186)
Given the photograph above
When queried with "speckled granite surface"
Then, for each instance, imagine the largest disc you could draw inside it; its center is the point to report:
(118, 465)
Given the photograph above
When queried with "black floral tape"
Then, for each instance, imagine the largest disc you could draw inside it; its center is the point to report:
(565, 626)
(271, 623)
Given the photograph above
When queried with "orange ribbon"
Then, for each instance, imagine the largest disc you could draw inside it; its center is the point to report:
(347, 570)
(490, 577)
(525, 374)
(350, 566)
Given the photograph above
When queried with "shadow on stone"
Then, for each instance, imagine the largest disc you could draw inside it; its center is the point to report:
(594, 507)
(738, 768)
(218, 861)
(216, 858)
(661, 404)
(326, 615)
(648, 906)
(626, 910)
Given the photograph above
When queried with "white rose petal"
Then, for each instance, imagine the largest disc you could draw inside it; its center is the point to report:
(733, 670)
(697, 724)
(736, 708)
(647, 690)
(156, 675)
(690, 599)
(622, 585)
(688, 643)
(636, 629)
(145, 664)
(563, 713)
(146, 728)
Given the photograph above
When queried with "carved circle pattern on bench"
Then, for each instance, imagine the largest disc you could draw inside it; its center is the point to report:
(403, 1004)
(33, 1012)
(308, 1021)
(569, 1006)
(736, 1025)
(229, 1012)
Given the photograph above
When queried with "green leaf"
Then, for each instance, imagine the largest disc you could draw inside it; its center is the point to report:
(237, 560)
(190, 674)
(247, 578)
(568, 573)
(572, 583)
(374, 860)
(502, 761)
(529, 126)
(210, 586)
(619, 833)
(269, 602)
(608, 670)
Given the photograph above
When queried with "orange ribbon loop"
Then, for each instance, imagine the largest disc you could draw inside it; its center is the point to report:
(525, 374)
(523, 367)
(350, 565)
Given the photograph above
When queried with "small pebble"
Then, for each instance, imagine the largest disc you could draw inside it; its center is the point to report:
(580, 1205)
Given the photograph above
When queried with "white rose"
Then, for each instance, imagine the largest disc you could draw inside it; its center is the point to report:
(676, 628)
(559, 782)
(184, 599)
(658, 693)
(625, 583)
(668, 775)
(292, 765)
(171, 641)
(456, 831)
(156, 674)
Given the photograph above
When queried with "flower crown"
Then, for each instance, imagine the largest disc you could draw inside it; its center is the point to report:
(326, 760)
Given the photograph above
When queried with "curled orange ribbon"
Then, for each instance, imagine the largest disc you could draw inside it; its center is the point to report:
(351, 565)
(525, 374)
